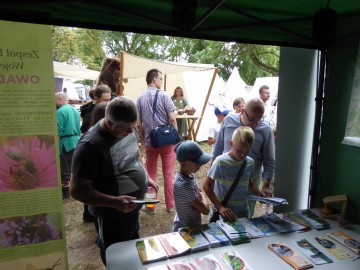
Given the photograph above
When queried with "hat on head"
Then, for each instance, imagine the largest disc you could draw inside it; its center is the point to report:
(191, 151)
(224, 111)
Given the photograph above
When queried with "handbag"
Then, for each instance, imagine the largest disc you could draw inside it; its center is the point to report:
(164, 134)
(216, 215)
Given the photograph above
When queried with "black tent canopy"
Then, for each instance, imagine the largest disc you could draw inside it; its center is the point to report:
(300, 23)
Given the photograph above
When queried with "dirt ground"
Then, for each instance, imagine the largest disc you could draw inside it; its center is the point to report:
(83, 254)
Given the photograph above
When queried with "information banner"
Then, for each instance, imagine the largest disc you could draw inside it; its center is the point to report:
(32, 234)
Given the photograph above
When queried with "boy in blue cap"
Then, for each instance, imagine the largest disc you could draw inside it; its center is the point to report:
(190, 202)
(214, 130)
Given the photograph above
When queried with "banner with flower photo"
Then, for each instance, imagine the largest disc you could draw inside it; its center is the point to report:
(31, 212)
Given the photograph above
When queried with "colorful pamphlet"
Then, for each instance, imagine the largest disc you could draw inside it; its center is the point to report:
(290, 256)
(263, 226)
(315, 221)
(315, 255)
(174, 244)
(234, 261)
(207, 262)
(251, 229)
(281, 225)
(299, 223)
(214, 235)
(194, 237)
(150, 250)
(234, 231)
(183, 264)
(271, 200)
(346, 240)
(334, 249)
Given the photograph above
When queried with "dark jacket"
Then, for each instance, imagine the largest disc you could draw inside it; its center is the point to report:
(86, 113)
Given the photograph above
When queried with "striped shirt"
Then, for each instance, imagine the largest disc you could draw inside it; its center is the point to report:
(186, 190)
(144, 105)
(223, 171)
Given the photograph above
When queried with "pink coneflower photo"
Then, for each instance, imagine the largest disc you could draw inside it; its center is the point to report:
(27, 163)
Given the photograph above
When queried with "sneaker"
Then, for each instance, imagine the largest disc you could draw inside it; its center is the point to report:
(170, 209)
(147, 211)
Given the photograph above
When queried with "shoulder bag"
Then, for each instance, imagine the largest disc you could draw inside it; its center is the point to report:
(216, 215)
(164, 134)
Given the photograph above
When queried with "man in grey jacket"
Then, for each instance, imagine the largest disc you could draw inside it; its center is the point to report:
(262, 151)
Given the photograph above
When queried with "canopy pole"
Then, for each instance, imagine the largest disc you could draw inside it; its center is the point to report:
(121, 93)
(319, 99)
(206, 101)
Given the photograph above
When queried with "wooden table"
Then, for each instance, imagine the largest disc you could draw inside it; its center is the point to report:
(191, 119)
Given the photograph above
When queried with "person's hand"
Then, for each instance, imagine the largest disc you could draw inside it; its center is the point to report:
(227, 214)
(265, 192)
(124, 204)
(151, 183)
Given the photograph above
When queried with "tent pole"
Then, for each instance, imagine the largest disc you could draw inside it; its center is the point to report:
(121, 93)
(319, 99)
(165, 82)
(206, 101)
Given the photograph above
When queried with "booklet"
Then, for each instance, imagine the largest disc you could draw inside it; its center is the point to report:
(299, 223)
(234, 231)
(315, 255)
(315, 221)
(214, 235)
(334, 249)
(290, 256)
(263, 226)
(234, 261)
(281, 225)
(174, 244)
(250, 228)
(271, 200)
(194, 237)
(150, 250)
(346, 240)
(207, 262)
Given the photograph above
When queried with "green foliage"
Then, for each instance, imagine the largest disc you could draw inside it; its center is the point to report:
(89, 48)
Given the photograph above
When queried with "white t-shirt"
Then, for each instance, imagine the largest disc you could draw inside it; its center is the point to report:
(214, 133)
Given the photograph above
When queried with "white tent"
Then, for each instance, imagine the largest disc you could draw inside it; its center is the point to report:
(197, 80)
(236, 87)
(74, 72)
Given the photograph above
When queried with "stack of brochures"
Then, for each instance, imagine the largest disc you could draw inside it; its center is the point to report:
(281, 225)
(271, 200)
(300, 224)
(214, 235)
(315, 221)
(234, 231)
(195, 239)
(250, 228)
(174, 244)
(263, 226)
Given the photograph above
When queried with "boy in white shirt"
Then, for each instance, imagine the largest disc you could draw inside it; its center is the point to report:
(214, 130)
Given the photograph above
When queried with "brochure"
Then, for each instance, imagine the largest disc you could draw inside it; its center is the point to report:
(263, 226)
(234, 261)
(315, 255)
(174, 244)
(194, 237)
(208, 262)
(251, 229)
(150, 250)
(214, 235)
(271, 200)
(315, 221)
(334, 249)
(281, 225)
(346, 240)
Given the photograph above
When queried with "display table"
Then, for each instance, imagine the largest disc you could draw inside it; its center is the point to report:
(124, 256)
(191, 119)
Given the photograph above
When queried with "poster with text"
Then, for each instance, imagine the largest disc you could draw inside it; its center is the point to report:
(32, 232)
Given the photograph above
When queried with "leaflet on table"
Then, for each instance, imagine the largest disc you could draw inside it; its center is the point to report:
(150, 250)
(194, 237)
(290, 256)
(174, 244)
(271, 200)
(281, 225)
(234, 231)
(183, 264)
(250, 228)
(263, 226)
(334, 249)
(315, 255)
(234, 261)
(346, 240)
(214, 235)
(207, 262)
(299, 223)
(317, 222)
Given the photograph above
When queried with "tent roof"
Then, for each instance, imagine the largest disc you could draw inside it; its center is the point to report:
(61, 69)
(137, 67)
(277, 22)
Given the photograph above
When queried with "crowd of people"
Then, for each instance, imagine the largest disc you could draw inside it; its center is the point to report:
(102, 166)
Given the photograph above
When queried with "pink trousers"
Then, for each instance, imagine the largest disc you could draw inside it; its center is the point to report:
(168, 157)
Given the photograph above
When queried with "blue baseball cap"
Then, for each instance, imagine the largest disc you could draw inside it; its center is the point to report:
(191, 151)
(224, 112)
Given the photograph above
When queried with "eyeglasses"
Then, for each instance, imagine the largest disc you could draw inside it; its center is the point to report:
(253, 121)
